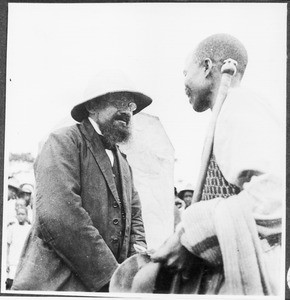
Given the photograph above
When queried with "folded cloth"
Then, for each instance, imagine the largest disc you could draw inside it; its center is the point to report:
(223, 232)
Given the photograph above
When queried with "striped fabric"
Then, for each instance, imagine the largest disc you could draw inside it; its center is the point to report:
(225, 235)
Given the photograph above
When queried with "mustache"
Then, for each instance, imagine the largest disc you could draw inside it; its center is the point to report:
(123, 116)
(116, 133)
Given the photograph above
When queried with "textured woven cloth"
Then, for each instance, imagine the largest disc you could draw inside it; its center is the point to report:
(225, 234)
(215, 183)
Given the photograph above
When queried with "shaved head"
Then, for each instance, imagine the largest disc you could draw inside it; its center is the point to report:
(219, 47)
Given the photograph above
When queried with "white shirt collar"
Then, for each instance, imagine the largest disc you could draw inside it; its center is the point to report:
(96, 126)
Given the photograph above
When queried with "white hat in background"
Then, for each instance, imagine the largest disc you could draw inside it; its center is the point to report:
(27, 188)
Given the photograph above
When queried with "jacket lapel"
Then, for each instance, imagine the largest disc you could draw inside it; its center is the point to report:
(100, 155)
(125, 180)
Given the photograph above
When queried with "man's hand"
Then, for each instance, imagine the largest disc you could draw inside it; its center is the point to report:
(172, 253)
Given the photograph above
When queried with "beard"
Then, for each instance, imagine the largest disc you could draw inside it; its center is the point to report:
(117, 129)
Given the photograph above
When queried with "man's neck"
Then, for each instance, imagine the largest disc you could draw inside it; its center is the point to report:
(235, 83)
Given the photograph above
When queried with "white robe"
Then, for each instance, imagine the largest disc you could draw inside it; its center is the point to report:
(249, 148)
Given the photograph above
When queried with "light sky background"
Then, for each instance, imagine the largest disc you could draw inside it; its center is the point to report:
(54, 49)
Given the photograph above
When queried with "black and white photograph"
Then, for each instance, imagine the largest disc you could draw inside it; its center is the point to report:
(144, 150)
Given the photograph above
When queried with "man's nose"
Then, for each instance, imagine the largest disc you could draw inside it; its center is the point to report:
(126, 111)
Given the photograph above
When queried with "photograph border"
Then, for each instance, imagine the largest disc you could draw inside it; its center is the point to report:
(3, 57)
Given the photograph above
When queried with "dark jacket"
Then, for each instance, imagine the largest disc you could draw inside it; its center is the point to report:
(74, 242)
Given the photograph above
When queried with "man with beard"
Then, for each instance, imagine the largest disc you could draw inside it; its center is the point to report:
(88, 212)
(234, 232)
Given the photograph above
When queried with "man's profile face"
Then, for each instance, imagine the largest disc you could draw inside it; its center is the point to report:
(196, 86)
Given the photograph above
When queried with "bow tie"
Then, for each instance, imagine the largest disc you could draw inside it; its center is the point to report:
(106, 144)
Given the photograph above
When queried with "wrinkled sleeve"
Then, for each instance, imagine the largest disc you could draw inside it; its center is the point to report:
(64, 223)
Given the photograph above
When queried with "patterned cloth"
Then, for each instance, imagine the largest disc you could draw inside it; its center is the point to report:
(215, 183)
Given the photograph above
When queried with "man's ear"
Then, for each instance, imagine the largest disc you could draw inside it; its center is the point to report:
(207, 64)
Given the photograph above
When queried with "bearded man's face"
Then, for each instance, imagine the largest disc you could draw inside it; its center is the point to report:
(116, 128)
(115, 118)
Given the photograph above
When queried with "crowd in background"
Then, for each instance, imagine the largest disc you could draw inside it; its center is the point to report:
(182, 200)
(19, 218)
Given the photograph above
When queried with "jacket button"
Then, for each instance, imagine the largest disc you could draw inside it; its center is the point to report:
(115, 240)
(115, 221)
(115, 204)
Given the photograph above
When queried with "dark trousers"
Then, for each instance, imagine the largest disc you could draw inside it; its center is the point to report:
(9, 283)
(105, 288)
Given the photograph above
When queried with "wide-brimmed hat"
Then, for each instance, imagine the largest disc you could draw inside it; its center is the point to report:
(109, 81)
(137, 274)
(27, 188)
(14, 183)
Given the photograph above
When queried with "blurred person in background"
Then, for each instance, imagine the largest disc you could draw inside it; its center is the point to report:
(14, 205)
(21, 203)
(178, 202)
(13, 188)
(14, 191)
(27, 192)
(179, 206)
(16, 235)
(186, 194)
